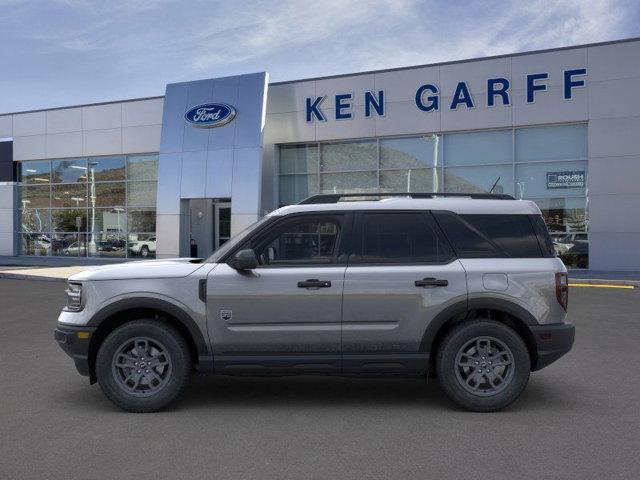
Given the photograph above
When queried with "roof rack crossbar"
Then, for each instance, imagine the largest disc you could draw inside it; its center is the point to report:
(336, 197)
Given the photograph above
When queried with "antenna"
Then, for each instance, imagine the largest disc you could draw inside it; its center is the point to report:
(494, 185)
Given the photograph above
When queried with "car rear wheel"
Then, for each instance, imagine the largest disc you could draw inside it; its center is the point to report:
(143, 365)
(483, 365)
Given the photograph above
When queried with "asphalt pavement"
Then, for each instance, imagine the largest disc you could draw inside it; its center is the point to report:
(578, 419)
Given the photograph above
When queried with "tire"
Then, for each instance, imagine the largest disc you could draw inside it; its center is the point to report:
(493, 345)
(128, 379)
(144, 251)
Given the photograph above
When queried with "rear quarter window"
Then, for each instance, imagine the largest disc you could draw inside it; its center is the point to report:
(491, 236)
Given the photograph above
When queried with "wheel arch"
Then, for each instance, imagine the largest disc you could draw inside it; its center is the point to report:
(503, 311)
(126, 310)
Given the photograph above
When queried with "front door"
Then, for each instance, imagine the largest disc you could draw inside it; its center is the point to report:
(401, 274)
(222, 224)
(285, 314)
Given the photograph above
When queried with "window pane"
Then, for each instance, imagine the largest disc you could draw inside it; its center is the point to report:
(400, 237)
(65, 220)
(107, 223)
(312, 241)
(69, 245)
(414, 180)
(412, 152)
(352, 182)
(142, 167)
(554, 179)
(143, 220)
(479, 179)
(478, 148)
(294, 188)
(338, 157)
(466, 242)
(514, 234)
(35, 196)
(560, 142)
(109, 194)
(564, 215)
(298, 159)
(142, 194)
(35, 172)
(35, 220)
(142, 245)
(105, 245)
(69, 195)
(107, 168)
(35, 244)
(69, 171)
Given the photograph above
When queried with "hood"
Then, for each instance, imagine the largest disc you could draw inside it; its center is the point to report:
(166, 268)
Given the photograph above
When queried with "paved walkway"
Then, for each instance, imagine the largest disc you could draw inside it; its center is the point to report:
(40, 273)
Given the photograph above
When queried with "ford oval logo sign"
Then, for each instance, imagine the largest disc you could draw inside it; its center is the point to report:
(210, 115)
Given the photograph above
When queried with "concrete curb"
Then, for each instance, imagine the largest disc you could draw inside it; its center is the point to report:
(605, 281)
(24, 276)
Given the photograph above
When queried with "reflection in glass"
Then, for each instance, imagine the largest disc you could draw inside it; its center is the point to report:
(479, 179)
(413, 152)
(141, 194)
(69, 171)
(298, 159)
(558, 142)
(35, 172)
(34, 196)
(412, 180)
(69, 245)
(38, 244)
(35, 220)
(294, 188)
(478, 148)
(109, 194)
(348, 156)
(142, 245)
(69, 195)
(142, 167)
(532, 181)
(351, 182)
(107, 168)
(66, 220)
(142, 220)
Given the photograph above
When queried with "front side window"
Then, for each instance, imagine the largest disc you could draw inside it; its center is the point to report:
(399, 238)
(300, 241)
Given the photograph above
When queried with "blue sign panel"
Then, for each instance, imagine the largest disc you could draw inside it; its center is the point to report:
(568, 179)
(210, 115)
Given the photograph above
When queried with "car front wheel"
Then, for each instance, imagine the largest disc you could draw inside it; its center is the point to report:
(483, 365)
(143, 366)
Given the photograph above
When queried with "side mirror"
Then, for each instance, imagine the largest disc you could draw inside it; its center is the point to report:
(244, 260)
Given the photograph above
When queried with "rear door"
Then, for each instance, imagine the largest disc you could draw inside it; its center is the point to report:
(401, 274)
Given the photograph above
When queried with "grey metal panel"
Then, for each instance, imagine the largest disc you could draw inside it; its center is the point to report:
(194, 168)
(219, 173)
(247, 174)
(615, 213)
(175, 104)
(169, 174)
(614, 251)
(250, 112)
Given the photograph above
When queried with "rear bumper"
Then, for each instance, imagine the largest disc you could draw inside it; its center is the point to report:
(75, 343)
(552, 342)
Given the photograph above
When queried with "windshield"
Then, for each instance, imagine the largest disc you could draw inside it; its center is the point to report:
(235, 241)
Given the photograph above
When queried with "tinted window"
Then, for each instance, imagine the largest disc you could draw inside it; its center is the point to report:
(513, 234)
(467, 241)
(544, 239)
(301, 241)
(399, 238)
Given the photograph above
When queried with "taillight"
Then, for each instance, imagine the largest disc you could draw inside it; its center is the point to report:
(562, 289)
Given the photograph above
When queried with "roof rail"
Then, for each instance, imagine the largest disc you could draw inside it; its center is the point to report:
(336, 197)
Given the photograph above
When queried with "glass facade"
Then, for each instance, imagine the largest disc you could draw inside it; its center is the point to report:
(95, 206)
(545, 164)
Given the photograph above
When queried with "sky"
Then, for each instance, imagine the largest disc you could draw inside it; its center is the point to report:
(69, 52)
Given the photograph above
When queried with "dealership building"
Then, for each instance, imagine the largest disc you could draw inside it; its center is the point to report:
(166, 176)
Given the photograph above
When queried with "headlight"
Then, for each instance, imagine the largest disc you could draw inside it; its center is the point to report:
(74, 297)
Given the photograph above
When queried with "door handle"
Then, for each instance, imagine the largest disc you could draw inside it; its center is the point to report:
(431, 282)
(314, 283)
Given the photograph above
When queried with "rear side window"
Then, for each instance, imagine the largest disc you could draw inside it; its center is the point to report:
(487, 236)
(544, 239)
(399, 238)
(513, 234)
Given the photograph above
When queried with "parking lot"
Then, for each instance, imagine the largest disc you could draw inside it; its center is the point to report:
(579, 418)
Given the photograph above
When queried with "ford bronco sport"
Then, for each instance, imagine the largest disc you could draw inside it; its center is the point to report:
(465, 287)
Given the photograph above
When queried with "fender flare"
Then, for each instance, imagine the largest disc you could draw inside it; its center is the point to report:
(465, 306)
(202, 347)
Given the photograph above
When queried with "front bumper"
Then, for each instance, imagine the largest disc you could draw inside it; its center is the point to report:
(75, 343)
(552, 342)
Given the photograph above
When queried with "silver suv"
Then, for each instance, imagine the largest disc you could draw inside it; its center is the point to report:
(463, 287)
